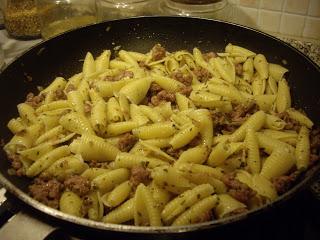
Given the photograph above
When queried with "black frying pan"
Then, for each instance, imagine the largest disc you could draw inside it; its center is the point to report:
(60, 56)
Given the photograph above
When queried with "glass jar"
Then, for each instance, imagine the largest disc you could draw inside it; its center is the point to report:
(59, 16)
(116, 9)
(21, 19)
(214, 9)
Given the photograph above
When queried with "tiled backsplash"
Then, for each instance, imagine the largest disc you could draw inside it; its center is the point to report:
(296, 18)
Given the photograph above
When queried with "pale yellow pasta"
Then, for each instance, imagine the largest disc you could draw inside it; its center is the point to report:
(102, 62)
(124, 106)
(113, 111)
(92, 173)
(287, 136)
(159, 142)
(171, 64)
(27, 113)
(184, 136)
(225, 68)
(94, 148)
(302, 151)
(83, 89)
(195, 213)
(58, 84)
(129, 160)
(89, 66)
(137, 115)
(169, 84)
(52, 133)
(274, 122)
(198, 59)
(238, 51)
(265, 101)
(49, 121)
(76, 101)
(156, 130)
(71, 203)
(197, 154)
(99, 116)
(176, 206)
(199, 169)
(109, 180)
(66, 167)
(153, 212)
(227, 205)
(107, 88)
(59, 104)
(164, 109)
(157, 152)
(47, 160)
(160, 195)
(277, 71)
(253, 160)
(118, 195)
(264, 187)
(15, 125)
(183, 102)
(255, 121)
(248, 70)
(95, 210)
(227, 91)
(283, 101)
(136, 90)
(299, 117)
(126, 57)
(151, 113)
(261, 65)
(277, 164)
(115, 129)
(272, 86)
(121, 214)
(258, 85)
(269, 144)
(75, 122)
(140, 213)
(170, 179)
(74, 81)
(36, 152)
(203, 121)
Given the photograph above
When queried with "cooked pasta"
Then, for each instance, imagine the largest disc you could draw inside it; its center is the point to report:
(162, 138)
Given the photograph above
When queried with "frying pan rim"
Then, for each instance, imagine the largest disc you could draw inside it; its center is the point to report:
(165, 229)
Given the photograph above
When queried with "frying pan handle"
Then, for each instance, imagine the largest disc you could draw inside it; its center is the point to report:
(23, 227)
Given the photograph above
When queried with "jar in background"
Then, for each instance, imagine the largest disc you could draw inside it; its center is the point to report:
(21, 19)
(116, 9)
(214, 9)
(59, 16)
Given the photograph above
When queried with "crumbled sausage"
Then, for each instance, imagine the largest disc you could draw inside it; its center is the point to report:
(46, 191)
(154, 89)
(33, 100)
(283, 183)
(70, 88)
(139, 174)
(87, 107)
(202, 74)
(122, 74)
(16, 164)
(174, 152)
(315, 138)
(161, 96)
(209, 55)
(126, 142)
(60, 95)
(239, 69)
(236, 212)
(237, 189)
(186, 90)
(158, 52)
(95, 164)
(241, 112)
(186, 79)
(77, 184)
(204, 217)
